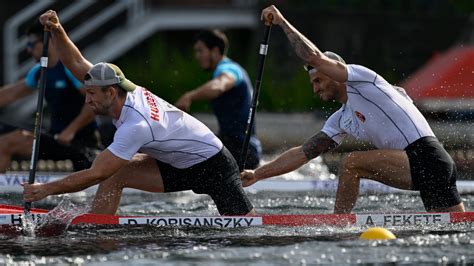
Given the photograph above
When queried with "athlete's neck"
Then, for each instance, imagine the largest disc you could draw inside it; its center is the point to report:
(342, 93)
(216, 61)
(116, 110)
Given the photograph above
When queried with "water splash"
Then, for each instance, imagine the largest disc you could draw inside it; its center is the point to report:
(28, 224)
(58, 220)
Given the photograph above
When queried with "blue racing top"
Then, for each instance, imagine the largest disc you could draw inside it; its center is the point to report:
(62, 96)
(233, 106)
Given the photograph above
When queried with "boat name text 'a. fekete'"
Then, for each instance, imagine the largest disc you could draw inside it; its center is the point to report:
(402, 219)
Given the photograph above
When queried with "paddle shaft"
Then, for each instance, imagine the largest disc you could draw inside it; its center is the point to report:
(256, 93)
(39, 115)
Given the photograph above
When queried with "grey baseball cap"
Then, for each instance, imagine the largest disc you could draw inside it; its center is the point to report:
(329, 54)
(106, 74)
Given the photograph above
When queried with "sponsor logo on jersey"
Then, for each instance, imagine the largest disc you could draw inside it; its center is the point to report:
(154, 112)
(360, 116)
(60, 84)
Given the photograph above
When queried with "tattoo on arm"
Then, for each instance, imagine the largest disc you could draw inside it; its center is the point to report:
(303, 47)
(318, 144)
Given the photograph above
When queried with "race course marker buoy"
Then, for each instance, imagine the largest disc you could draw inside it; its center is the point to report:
(377, 233)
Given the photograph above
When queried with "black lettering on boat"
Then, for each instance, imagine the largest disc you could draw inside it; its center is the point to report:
(197, 222)
(407, 219)
(207, 222)
(369, 220)
(16, 219)
(161, 221)
(223, 222)
(427, 217)
(249, 221)
(411, 219)
(131, 221)
(237, 222)
(397, 220)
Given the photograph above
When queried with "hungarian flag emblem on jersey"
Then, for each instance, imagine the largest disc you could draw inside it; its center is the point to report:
(360, 116)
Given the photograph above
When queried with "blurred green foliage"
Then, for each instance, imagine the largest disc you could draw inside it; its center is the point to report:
(394, 38)
(163, 69)
(165, 64)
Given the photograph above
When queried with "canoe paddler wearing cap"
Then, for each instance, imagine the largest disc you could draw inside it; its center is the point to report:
(106, 76)
(156, 148)
(407, 156)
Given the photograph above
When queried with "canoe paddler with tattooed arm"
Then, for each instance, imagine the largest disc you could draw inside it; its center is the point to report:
(409, 156)
(156, 148)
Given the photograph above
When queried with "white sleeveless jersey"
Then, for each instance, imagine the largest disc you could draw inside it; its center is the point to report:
(376, 112)
(150, 125)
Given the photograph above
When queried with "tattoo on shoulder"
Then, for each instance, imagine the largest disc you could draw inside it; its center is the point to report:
(316, 145)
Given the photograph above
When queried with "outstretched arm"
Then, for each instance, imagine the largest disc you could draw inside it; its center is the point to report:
(12, 92)
(305, 49)
(84, 118)
(208, 91)
(68, 53)
(290, 160)
(105, 165)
